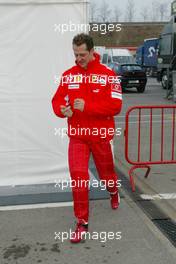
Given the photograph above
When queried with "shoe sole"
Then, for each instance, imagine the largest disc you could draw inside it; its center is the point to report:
(83, 238)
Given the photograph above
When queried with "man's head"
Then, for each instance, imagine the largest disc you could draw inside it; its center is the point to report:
(83, 49)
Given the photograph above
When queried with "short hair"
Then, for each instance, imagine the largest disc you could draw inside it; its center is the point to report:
(83, 39)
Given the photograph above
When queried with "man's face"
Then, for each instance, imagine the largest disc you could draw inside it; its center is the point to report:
(82, 55)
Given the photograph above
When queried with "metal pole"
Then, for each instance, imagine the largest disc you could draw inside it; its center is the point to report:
(174, 84)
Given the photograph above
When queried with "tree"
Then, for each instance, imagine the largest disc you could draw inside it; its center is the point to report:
(93, 12)
(159, 10)
(130, 11)
(162, 9)
(104, 12)
(154, 11)
(117, 13)
(144, 14)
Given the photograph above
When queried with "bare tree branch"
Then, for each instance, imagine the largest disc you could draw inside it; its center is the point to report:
(130, 11)
(144, 14)
(154, 11)
(159, 10)
(93, 12)
(104, 12)
(117, 13)
(162, 9)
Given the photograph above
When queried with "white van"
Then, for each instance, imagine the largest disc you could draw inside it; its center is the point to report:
(117, 55)
(100, 50)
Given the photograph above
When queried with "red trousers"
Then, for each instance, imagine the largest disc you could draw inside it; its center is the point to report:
(79, 154)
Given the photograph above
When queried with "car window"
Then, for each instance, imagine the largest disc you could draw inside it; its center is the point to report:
(109, 59)
(123, 59)
(116, 68)
(131, 68)
(111, 65)
(105, 58)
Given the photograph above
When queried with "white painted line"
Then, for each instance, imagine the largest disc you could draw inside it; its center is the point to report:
(35, 206)
(159, 196)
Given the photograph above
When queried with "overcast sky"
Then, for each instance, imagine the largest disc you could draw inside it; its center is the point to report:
(138, 4)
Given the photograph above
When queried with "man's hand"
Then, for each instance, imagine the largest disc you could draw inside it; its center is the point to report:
(79, 104)
(66, 111)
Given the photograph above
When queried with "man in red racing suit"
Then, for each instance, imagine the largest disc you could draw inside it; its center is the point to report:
(89, 95)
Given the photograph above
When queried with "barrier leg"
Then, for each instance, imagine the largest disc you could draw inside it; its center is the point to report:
(131, 178)
(148, 171)
(131, 174)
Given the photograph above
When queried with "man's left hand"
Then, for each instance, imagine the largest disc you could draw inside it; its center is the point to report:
(79, 104)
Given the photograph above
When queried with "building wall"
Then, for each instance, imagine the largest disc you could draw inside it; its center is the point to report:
(131, 34)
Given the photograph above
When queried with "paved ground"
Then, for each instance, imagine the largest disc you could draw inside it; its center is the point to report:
(28, 236)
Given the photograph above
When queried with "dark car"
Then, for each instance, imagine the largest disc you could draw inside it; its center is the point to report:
(131, 75)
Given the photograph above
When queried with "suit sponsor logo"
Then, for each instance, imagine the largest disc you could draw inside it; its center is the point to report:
(99, 79)
(116, 95)
(116, 87)
(74, 78)
(73, 86)
(78, 78)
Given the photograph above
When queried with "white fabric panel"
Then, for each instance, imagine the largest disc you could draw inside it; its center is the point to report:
(31, 54)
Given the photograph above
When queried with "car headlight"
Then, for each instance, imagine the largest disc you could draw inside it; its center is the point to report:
(160, 60)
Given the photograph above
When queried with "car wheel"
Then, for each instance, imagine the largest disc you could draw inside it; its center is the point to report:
(123, 89)
(164, 80)
(141, 89)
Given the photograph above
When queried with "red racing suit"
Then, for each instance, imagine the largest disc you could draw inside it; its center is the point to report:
(91, 130)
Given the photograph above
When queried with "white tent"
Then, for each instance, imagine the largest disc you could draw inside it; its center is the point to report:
(33, 53)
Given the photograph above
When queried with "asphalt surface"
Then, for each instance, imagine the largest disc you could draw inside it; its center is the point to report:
(33, 234)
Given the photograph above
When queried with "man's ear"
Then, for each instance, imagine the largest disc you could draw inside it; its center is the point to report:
(92, 51)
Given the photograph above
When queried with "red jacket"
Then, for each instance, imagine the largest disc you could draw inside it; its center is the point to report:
(99, 87)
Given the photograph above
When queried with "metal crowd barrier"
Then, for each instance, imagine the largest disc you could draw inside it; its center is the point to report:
(153, 135)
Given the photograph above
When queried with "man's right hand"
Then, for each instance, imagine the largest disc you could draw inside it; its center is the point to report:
(66, 110)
